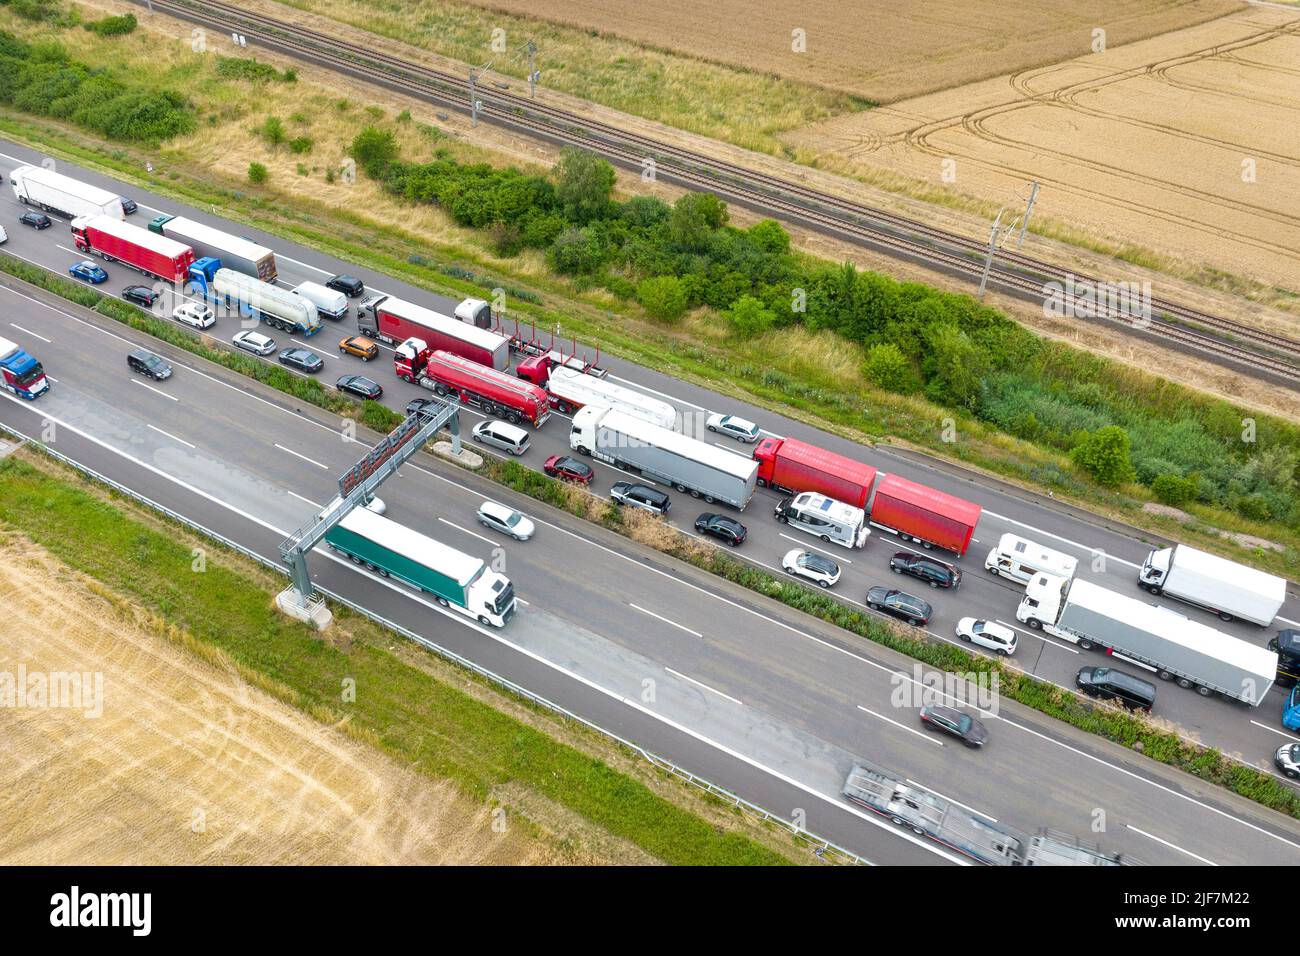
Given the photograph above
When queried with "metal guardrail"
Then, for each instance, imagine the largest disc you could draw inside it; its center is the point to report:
(824, 849)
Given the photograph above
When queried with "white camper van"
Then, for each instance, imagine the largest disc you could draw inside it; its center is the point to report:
(1020, 559)
(826, 518)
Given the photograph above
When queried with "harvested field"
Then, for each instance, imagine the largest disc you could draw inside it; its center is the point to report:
(882, 51)
(189, 764)
(1184, 144)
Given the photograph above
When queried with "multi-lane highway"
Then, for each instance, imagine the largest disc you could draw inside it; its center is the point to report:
(750, 694)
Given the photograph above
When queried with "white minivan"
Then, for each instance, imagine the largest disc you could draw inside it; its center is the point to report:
(826, 518)
(1020, 559)
(329, 304)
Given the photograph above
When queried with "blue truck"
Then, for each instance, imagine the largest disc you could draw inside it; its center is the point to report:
(277, 307)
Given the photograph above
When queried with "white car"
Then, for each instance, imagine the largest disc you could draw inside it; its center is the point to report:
(194, 314)
(506, 520)
(813, 566)
(730, 425)
(996, 637)
(254, 342)
(4, 236)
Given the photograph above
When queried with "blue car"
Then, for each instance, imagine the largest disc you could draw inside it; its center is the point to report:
(87, 271)
(1291, 710)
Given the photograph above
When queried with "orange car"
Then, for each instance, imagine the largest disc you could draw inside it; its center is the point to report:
(360, 346)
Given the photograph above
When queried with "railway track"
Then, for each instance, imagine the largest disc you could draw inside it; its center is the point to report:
(1233, 344)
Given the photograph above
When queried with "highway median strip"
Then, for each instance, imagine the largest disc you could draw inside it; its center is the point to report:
(1120, 727)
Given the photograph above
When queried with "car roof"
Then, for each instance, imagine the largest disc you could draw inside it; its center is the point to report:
(493, 507)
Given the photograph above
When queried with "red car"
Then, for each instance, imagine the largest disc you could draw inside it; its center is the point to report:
(568, 469)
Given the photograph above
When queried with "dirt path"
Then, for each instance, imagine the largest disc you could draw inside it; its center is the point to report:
(189, 764)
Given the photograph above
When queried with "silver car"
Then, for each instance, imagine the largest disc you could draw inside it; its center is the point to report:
(254, 342)
(506, 520)
(738, 428)
(501, 435)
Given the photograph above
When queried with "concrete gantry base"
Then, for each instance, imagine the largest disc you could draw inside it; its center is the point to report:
(314, 612)
(467, 458)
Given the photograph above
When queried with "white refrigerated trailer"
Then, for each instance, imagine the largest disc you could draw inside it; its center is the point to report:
(1228, 589)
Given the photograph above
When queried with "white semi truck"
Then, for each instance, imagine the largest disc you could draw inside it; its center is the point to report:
(1228, 589)
(63, 195)
(690, 465)
(571, 390)
(235, 252)
(1170, 644)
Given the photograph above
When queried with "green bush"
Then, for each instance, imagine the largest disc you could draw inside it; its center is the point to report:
(237, 68)
(272, 131)
(256, 173)
(1104, 455)
(1174, 490)
(584, 183)
(749, 318)
(662, 297)
(374, 149)
(888, 368)
(300, 144)
(113, 26)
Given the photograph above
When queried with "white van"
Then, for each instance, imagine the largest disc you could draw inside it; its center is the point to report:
(1020, 559)
(329, 304)
(826, 518)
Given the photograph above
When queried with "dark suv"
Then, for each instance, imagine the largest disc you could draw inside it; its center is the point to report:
(640, 496)
(932, 572)
(350, 286)
(900, 604)
(146, 363)
(725, 529)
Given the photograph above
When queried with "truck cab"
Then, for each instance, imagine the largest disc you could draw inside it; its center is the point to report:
(477, 313)
(21, 373)
(198, 280)
(1041, 604)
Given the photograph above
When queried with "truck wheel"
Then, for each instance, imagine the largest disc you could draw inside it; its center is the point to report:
(440, 390)
(826, 538)
(442, 602)
(583, 450)
(927, 545)
(782, 519)
(1164, 675)
(1204, 691)
(488, 408)
(1085, 644)
(993, 571)
(694, 493)
(1034, 623)
(482, 619)
(1184, 683)
(563, 408)
(708, 500)
(762, 482)
(513, 418)
(1224, 617)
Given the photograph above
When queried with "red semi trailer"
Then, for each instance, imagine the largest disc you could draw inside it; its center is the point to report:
(393, 320)
(924, 514)
(116, 241)
(792, 466)
(495, 393)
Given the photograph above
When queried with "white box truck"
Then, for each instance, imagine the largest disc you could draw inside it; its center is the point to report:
(329, 304)
(690, 465)
(63, 195)
(1228, 589)
(1172, 645)
(1020, 559)
(235, 252)
(278, 308)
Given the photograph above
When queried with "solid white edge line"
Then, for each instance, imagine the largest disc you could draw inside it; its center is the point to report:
(680, 627)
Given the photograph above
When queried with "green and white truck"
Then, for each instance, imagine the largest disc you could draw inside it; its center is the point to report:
(456, 580)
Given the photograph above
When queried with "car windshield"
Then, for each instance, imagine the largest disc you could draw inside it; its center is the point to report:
(978, 627)
(964, 722)
(512, 519)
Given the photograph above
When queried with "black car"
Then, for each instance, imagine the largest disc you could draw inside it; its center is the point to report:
(950, 720)
(359, 386)
(933, 572)
(1287, 647)
(305, 360)
(37, 220)
(140, 295)
(1107, 683)
(350, 286)
(723, 528)
(900, 604)
(640, 496)
(128, 205)
(418, 405)
(146, 363)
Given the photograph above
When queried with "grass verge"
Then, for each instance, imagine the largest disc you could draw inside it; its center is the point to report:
(429, 725)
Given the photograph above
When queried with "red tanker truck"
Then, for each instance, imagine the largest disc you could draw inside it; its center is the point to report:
(495, 393)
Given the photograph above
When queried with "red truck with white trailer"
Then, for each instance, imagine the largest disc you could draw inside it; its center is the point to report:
(494, 392)
(393, 320)
(792, 466)
(923, 514)
(116, 241)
